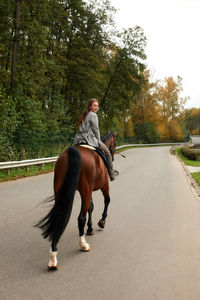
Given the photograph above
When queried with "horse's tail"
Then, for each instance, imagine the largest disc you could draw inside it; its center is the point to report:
(55, 222)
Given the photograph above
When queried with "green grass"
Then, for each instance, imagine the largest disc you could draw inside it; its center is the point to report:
(17, 173)
(196, 177)
(187, 161)
(190, 162)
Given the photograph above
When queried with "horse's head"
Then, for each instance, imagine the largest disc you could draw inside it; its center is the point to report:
(109, 140)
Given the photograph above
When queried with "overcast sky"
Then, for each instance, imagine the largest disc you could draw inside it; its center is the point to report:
(172, 28)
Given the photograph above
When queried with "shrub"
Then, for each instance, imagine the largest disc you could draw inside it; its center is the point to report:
(191, 153)
(146, 133)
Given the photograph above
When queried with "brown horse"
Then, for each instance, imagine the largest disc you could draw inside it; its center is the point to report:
(82, 169)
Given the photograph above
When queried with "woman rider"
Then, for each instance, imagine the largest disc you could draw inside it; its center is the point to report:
(88, 130)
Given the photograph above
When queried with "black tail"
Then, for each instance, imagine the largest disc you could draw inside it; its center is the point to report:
(55, 222)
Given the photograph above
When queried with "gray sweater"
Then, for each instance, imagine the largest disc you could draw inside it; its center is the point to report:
(89, 130)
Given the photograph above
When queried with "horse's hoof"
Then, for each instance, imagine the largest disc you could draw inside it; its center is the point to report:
(101, 224)
(85, 249)
(90, 232)
(52, 268)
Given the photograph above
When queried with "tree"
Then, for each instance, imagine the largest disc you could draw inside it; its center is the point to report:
(171, 131)
(15, 43)
(190, 120)
(146, 133)
(8, 121)
(123, 73)
(170, 99)
(146, 107)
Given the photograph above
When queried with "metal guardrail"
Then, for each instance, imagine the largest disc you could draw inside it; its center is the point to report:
(40, 161)
(26, 163)
(148, 145)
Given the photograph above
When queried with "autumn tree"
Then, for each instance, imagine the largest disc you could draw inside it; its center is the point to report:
(146, 107)
(190, 120)
(169, 96)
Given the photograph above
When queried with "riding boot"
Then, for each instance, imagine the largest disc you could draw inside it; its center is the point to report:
(112, 173)
(110, 167)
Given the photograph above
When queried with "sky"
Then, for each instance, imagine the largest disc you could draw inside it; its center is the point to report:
(172, 28)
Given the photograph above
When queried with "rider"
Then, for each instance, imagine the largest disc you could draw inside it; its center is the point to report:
(88, 130)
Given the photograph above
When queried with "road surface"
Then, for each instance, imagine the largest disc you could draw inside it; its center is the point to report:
(149, 249)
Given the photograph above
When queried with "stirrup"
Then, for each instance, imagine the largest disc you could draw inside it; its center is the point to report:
(115, 173)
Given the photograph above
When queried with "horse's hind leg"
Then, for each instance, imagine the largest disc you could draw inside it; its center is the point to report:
(105, 192)
(81, 223)
(89, 223)
(53, 263)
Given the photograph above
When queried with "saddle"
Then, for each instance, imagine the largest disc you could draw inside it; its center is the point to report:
(98, 151)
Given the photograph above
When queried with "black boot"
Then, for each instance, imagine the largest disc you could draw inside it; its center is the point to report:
(112, 173)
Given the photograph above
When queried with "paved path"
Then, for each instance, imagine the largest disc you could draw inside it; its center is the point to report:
(149, 250)
(192, 169)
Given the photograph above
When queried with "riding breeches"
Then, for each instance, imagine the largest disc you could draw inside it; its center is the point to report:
(107, 153)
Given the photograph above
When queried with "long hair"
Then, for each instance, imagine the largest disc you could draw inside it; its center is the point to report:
(86, 111)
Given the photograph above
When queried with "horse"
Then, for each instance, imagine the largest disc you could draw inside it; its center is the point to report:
(82, 169)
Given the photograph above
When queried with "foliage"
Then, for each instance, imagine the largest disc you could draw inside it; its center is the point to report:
(8, 125)
(169, 95)
(123, 73)
(171, 131)
(186, 160)
(191, 153)
(146, 133)
(190, 120)
(66, 52)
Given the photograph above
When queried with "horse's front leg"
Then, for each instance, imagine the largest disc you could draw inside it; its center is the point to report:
(104, 215)
(89, 223)
(81, 224)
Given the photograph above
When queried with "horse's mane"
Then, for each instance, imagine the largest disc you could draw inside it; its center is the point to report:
(107, 136)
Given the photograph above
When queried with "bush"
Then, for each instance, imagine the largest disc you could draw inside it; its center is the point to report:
(146, 133)
(29, 129)
(191, 153)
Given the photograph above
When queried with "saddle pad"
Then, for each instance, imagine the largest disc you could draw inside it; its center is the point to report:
(101, 153)
(88, 146)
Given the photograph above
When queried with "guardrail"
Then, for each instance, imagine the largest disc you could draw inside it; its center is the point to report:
(40, 161)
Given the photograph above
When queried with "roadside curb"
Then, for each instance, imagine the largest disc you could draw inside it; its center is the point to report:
(191, 180)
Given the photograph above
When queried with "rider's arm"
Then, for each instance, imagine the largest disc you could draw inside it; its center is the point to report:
(95, 125)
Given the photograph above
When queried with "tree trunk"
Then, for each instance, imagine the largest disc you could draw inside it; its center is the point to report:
(15, 43)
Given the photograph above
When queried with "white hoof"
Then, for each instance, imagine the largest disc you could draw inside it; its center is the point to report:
(53, 263)
(83, 244)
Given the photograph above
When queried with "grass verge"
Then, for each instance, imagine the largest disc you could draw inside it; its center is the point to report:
(17, 173)
(196, 177)
(188, 162)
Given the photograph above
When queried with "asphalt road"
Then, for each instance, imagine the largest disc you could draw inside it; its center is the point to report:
(149, 249)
